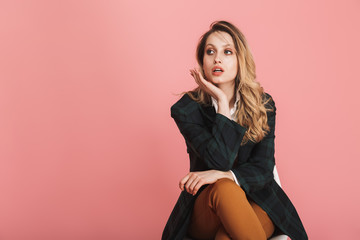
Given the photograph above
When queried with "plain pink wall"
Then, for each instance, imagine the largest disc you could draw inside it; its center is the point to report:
(87, 146)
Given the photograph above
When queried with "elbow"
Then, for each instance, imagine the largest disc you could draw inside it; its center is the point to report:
(219, 163)
(226, 167)
(253, 187)
(223, 168)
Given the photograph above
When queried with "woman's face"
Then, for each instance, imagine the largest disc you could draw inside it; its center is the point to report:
(220, 62)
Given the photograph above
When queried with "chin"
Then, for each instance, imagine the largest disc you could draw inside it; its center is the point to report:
(219, 81)
(216, 80)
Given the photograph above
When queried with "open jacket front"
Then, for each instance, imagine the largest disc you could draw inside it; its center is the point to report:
(213, 142)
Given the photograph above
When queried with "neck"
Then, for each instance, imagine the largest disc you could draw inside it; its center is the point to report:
(229, 90)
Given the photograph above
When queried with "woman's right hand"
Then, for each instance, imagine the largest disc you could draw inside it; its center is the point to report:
(214, 91)
(207, 86)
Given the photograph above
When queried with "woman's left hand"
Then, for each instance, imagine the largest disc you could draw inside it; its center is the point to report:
(193, 181)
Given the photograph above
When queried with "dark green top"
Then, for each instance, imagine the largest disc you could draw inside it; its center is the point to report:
(213, 142)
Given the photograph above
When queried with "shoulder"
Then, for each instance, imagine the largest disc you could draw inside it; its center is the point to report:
(183, 101)
(268, 98)
(185, 105)
(269, 102)
(189, 110)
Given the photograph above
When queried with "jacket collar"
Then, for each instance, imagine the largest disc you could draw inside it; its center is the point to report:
(209, 110)
(232, 110)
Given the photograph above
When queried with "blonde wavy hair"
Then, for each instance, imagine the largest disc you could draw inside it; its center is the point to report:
(251, 110)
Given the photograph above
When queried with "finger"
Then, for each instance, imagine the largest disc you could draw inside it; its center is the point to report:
(194, 75)
(198, 72)
(200, 80)
(193, 184)
(203, 83)
(191, 72)
(183, 181)
(189, 182)
(198, 186)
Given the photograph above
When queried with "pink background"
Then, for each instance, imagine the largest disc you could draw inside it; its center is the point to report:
(87, 146)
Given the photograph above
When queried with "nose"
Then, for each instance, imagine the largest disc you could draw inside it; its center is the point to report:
(217, 59)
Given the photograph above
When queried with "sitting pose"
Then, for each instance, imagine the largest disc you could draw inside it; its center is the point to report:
(228, 123)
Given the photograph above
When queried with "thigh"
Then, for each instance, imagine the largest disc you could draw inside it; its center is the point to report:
(204, 222)
(264, 218)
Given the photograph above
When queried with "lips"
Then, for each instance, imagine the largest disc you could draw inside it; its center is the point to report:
(217, 71)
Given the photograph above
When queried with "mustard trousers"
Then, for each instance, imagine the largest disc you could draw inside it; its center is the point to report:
(223, 211)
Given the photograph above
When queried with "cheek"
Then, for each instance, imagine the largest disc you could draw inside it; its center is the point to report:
(206, 61)
(207, 64)
(234, 65)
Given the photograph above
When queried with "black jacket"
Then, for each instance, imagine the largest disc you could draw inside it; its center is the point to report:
(213, 142)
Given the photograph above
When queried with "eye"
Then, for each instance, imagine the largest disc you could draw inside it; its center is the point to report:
(209, 51)
(228, 52)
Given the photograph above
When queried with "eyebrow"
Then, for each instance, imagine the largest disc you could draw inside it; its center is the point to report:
(226, 45)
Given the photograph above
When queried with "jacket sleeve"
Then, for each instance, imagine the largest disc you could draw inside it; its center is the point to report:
(255, 173)
(216, 145)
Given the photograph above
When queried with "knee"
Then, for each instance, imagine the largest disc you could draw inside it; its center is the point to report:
(225, 188)
(224, 183)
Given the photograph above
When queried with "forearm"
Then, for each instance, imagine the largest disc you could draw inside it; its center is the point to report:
(230, 175)
(217, 146)
(226, 174)
(194, 180)
(224, 108)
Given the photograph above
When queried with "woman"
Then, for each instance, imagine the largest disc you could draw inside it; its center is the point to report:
(228, 123)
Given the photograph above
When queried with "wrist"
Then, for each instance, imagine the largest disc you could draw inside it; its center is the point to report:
(223, 102)
(224, 109)
(227, 174)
